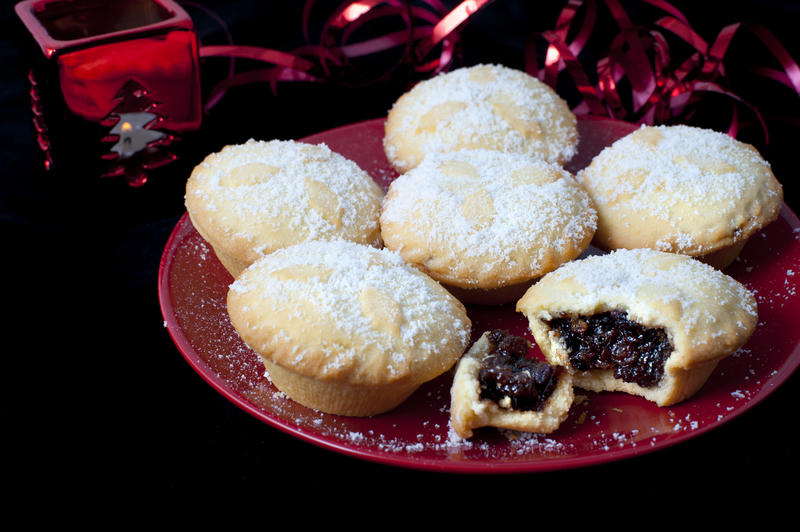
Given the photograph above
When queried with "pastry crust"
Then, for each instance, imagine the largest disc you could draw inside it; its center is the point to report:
(482, 221)
(346, 328)
(480, 107)
(706, 314)
(249, 200)
(468, 411)
(681, 189)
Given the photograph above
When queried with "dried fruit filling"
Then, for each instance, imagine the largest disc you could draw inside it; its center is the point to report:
(610, 340)
(508, 377)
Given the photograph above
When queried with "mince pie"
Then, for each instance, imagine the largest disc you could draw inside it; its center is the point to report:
(250, 199)
(345, 328)
(486, 223)
(481, 107)
(681, 189)
(641, 321)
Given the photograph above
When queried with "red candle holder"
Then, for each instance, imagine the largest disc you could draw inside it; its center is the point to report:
(111, 83)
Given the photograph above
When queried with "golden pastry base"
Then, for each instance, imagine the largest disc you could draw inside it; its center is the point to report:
(677, 384)
(724, 257)
(337, 398)
(490, 297)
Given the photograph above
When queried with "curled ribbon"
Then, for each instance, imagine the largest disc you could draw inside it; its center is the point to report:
(428, 40)
(640, 56)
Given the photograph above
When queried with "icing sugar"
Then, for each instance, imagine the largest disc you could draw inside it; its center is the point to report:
(700, 183)
(497, 208)
(404, 313)
(287, 186)
(485, 103)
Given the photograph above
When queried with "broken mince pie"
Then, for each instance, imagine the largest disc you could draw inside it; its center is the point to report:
(640, 321)
(498, 385)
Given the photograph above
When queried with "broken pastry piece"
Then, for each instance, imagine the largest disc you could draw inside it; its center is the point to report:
(497, 385)
(644, 322)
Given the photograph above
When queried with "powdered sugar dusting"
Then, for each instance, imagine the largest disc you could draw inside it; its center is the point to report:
(340, 278)
(488, 106)
(265, 192)
(523, 220)
(700, 185)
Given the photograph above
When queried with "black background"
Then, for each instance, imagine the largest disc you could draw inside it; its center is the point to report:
(100, 405)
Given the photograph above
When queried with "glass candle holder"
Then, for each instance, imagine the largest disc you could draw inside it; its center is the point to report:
(112, 84)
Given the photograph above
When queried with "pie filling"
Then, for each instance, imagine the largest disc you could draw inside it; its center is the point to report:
(512, 380)
(610, 340)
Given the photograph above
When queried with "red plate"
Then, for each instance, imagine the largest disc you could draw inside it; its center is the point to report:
(600, 427)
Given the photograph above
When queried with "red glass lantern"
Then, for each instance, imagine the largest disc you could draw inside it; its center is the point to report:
(111, 83)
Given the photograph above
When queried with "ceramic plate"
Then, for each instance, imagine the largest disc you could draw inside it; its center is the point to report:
(600, 428)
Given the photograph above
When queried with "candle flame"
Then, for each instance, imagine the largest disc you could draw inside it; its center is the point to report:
(355, 10)
(552, 56)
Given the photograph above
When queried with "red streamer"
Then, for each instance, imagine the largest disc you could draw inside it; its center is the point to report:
(659, 91)
(639, 58)
(429, 40)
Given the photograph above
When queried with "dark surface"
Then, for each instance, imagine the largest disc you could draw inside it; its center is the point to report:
(102, 405)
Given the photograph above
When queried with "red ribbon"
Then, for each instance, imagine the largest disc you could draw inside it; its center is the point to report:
(428, 43)
(638, 58)
(660, 92)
